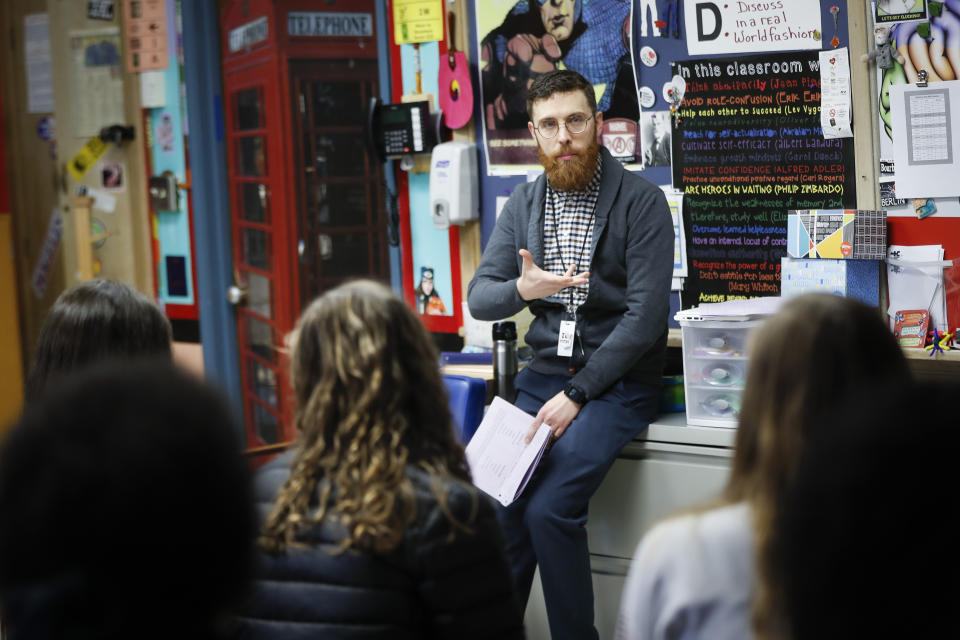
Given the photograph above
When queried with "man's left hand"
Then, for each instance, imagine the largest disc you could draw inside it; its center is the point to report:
(557, 413)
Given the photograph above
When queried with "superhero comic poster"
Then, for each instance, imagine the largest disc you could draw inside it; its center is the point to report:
(522, 39)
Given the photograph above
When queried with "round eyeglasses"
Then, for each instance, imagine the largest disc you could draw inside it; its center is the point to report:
(576, 123)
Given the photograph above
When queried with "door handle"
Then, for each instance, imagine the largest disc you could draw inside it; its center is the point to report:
(325, 246)
(237, 295)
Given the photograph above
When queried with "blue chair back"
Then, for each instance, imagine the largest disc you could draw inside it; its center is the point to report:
(467, 398)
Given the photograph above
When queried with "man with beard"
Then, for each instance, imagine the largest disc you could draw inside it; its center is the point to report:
(589, 248)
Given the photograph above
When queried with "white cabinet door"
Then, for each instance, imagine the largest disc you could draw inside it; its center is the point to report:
(649, 482)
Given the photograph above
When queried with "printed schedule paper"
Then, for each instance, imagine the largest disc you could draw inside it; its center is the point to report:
(500, 462)
(926, 143)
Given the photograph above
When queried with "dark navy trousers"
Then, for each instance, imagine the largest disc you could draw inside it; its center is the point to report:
(546, 525)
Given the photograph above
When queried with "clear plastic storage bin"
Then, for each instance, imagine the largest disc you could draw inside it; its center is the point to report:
(714, 369)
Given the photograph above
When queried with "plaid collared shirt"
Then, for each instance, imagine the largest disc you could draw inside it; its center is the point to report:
(567, 230)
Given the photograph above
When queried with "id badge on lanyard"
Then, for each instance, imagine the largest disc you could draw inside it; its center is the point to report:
(568, 329)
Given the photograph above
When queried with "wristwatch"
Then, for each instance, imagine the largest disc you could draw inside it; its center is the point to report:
(575, 393)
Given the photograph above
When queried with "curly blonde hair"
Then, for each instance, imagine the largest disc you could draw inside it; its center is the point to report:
(370, 400)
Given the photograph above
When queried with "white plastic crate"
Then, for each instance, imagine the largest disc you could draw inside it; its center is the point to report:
(714, 369)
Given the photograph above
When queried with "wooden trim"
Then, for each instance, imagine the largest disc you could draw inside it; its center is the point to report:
(270, 448)
(470, 233)
(863, 85)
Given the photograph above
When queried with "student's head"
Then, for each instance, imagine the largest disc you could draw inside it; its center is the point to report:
(564, 123)
(95, 321)
(804, 363)
(125, 506)
(369, 400)
(864, 547)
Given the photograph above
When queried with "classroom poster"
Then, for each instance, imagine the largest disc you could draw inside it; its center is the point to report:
(145, 34)
(655, 138)
(900, 10)
(36, 58)
(521, 39)
(937, 53)
(718, 28)
(433, 278)
(96, 80)
(926, 142)
(748, 148)
(48, 252)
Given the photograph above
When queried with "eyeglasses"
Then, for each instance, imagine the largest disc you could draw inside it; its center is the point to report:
(575, 123)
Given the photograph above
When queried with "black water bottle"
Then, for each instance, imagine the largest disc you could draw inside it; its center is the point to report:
(505, 358)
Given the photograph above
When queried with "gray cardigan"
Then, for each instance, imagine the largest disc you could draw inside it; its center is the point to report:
(623, 323)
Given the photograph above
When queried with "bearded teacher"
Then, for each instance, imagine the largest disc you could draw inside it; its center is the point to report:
(588, 247)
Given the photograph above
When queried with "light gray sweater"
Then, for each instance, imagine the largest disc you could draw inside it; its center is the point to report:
(692, 578)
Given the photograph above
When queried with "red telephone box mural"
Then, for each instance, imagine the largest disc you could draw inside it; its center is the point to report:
(307, 202)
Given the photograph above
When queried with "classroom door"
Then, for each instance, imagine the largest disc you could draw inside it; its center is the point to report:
(341, 228)
(264, 290)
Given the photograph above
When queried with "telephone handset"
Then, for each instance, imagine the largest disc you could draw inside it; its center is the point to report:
(399, 129)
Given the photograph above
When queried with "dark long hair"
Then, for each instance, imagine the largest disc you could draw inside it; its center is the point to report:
(805, 364)
(370, 400)
(94, 321)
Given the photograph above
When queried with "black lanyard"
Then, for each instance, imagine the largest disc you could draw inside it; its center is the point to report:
(556, 241)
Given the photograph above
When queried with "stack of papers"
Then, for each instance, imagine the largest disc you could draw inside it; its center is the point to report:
(733, 309)
(915, 281)
(501, 463)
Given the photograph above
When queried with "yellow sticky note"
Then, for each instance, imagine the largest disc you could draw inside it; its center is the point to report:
(417, 21)
(87, 157)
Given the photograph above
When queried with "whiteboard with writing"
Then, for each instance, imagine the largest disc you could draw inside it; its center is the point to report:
(738, 26)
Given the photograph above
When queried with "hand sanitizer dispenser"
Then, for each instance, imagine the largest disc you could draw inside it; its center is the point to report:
(454, 197)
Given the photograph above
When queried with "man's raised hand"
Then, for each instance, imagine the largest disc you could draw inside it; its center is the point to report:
(535, 283)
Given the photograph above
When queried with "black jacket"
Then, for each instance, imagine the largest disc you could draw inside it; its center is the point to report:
(431, 586)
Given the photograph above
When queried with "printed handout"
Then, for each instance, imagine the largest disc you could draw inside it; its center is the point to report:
(500, 461)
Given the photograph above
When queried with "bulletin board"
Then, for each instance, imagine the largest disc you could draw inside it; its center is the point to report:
(660, 42)
(746, 139)
(922, 209)
(748, 148)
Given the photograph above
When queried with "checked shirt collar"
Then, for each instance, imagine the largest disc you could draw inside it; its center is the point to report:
(568, 226)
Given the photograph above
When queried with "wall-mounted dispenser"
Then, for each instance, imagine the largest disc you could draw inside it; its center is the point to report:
(454, 194)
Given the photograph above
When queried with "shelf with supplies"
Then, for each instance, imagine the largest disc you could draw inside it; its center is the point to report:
(940, 366)
(953, 355)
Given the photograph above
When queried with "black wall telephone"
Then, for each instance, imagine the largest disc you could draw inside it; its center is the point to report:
(399, 129)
